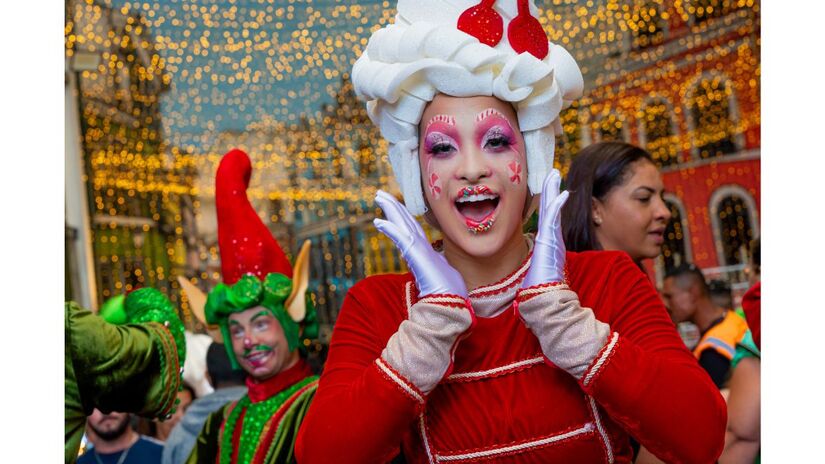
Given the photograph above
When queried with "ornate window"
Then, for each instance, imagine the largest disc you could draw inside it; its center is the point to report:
(647, 24)
(675, 249)
(611, 127)
(710, 112)
(733, 213)
(703, 10)
(658, 132)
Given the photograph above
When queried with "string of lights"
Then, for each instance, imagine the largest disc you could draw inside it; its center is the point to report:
(165, 88)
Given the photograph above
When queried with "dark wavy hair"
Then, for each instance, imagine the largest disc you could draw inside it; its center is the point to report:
(595, 171)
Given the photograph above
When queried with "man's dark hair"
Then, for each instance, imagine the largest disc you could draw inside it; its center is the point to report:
(720, 293)
(220, 369)
(595, 171)
(688, 274)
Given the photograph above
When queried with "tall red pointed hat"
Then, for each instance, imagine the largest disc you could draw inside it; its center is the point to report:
(246, 244)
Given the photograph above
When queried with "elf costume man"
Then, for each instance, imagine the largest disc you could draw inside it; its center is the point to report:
(262, 313)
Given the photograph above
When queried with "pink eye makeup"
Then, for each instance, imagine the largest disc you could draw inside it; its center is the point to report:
(439, 143)
(439, 138)
(494, 131)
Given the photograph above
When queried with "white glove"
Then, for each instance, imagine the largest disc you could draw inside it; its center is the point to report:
(547, 264)
(433, 274)
(422, 349)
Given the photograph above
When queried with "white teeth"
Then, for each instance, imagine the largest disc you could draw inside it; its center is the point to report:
(477, 197)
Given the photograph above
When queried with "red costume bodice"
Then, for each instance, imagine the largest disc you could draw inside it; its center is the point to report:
(503, 400)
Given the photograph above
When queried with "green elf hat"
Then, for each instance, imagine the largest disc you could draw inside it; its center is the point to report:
(255, 269)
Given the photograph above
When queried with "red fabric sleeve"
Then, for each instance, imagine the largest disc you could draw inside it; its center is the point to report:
(359, 414)
(645, 378)
(752, 306)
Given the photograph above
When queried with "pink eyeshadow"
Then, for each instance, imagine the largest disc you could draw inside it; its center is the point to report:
(439, 132)
(493, 121)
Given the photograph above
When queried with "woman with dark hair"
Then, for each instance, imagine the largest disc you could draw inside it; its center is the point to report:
(615, 202)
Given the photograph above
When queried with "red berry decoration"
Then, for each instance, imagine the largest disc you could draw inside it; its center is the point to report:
(482, 22)
(526, 34)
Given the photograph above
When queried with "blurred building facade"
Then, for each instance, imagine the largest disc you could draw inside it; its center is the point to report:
(680, 78)
(140, 209)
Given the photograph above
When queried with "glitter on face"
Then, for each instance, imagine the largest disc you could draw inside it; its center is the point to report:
(482, 227)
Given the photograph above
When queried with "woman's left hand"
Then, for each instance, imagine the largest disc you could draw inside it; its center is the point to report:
(547, 263)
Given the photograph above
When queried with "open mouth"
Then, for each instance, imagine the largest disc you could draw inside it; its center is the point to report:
(478, 206)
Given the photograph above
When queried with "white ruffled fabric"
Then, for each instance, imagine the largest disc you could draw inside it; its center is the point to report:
(407, 63)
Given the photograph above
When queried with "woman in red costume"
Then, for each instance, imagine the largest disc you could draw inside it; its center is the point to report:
(497, 346)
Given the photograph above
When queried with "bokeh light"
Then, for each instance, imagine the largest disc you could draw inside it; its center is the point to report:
(165, 88)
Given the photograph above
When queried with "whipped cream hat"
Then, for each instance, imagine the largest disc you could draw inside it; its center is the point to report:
(465, 48)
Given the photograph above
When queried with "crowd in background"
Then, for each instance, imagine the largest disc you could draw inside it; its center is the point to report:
(616, 203)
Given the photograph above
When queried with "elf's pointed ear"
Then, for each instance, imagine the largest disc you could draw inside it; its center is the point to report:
(197, 301)
(295, 304)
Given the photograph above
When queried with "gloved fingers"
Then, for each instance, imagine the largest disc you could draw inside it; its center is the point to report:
(398, 214)
(412, 225)
(550, 190)
(556, 206)
(392, 209)
(394, 233)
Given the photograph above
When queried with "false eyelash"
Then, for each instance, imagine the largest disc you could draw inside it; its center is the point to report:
(442, 118)
(488, 112)
(435, 139)
(496, 132)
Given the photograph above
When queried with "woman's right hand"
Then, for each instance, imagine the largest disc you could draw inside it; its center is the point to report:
(433, 274)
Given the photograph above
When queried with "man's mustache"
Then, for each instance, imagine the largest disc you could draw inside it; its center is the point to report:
(248, 351)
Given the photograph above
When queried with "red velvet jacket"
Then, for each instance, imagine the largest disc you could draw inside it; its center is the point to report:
(503, 400)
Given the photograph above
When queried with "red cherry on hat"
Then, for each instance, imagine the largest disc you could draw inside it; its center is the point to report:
(526, 34)
(482, 22)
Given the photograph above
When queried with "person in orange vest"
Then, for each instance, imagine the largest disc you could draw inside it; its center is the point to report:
(688, 298)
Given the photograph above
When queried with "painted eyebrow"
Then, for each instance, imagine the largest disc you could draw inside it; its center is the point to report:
(260, 313)
(487, 113)
(445, 118)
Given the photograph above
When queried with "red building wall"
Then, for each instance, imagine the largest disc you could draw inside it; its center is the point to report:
(696, 185)
(728, 48)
